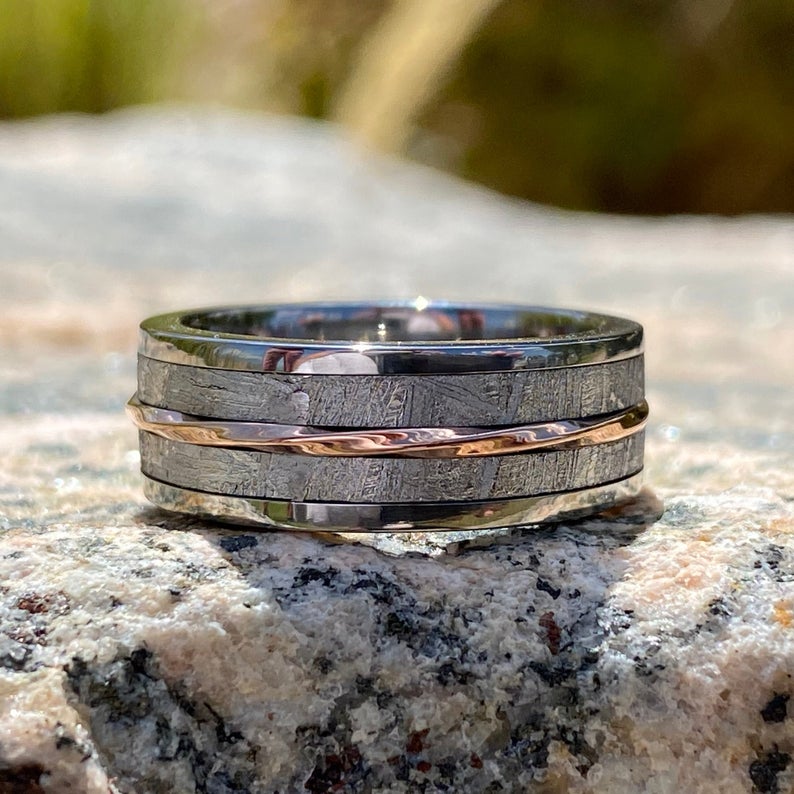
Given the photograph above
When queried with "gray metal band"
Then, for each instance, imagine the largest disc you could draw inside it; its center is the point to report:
(352, 517)
(267, 475)
(388, 338)
(372, 401)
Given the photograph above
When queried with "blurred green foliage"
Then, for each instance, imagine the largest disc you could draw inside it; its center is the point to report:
(616, 105)
(88, 55)
(637, 107)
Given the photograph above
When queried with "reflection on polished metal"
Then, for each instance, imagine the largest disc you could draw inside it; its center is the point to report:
(426, 442)
(390, 416)
(416, 337)
(352, 517)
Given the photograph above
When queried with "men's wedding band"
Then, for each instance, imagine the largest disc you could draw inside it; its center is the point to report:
(390, 416)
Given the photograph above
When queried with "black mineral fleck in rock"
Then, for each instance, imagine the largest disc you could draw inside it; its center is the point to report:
(237, 542)
(308, 574)
(764, 771)
(399, 625)
(379, 588)
(719, 608)
(776, 710)
(545, 587)
(449, 672)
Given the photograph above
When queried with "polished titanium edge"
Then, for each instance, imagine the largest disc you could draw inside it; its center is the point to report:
(426, 442)
(167, 338)
(355, 517)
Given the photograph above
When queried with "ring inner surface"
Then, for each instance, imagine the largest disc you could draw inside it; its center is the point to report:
(388, 323)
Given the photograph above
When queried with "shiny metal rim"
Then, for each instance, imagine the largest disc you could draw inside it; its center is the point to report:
(427, 442)
(353, 517)
(265, 339)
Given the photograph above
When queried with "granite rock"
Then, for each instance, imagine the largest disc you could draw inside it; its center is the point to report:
(650, 649)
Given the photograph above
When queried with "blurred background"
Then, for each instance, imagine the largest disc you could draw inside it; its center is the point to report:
(637, 108)
(655, 107)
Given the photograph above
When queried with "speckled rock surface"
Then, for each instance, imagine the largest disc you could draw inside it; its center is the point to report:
(650, 650)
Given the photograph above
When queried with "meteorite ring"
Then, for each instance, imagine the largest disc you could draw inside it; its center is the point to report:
(390, 416)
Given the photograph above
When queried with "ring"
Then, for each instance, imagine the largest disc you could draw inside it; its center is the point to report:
(390, 416)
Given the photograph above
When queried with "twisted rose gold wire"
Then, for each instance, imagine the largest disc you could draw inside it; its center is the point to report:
(423, 442)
